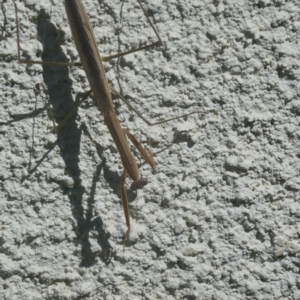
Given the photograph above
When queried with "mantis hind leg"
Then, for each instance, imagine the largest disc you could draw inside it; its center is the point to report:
(137, 183)
(125, 204)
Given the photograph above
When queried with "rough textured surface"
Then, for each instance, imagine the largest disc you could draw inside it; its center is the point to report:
(219, 218)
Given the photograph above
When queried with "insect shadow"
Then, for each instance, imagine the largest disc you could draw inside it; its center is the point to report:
(69, 143)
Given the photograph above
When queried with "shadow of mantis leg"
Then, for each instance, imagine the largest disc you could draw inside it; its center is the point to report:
(72, 111)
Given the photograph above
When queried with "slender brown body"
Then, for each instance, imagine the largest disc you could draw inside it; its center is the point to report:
(90, 60)
(92, 64)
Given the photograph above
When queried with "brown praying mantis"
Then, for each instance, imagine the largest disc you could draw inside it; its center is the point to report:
(92, 63)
